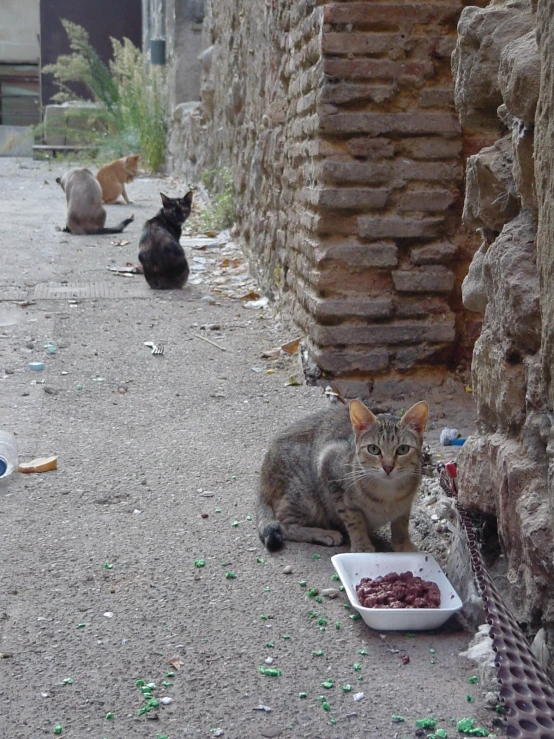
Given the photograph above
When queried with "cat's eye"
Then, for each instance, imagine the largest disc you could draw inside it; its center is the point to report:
(403, 449)
(374, 449)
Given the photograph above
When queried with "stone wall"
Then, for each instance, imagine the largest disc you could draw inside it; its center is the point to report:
(337, 122)
(501, 75)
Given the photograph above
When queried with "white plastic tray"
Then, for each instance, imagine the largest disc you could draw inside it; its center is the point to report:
(352, 567)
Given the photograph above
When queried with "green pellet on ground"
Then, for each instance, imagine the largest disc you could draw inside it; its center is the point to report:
(346, 688)
(302, 695)
(270, 671)
(326, 706)
(199, 563)
(170, 674)
(312, 614)
(270, 644)
(432, 651)
(335, 576)
(473, 679)
(80, 626)
(302, 583)
(470, 699)
(397, 719)
(319, 598)
(68, 681)
(332, 720)
(357, 666)
(267, 589)
(166, 683)
(140, 683)
(316, 556)
(312, 592)
(286, 636)
(218, 510)
(320, 698)
(248, 517)
(58, 729)
(426, 723)
(263, 617)
(322, 621)
(235, 524)
(337, 625)
(328, 683)
(354, 616)
(439, 734)
(317, 652)
(230, 575)
(411, 634)
(260, 560)
(108, 566)
(110, 715)
(362, 651)
(346, 605)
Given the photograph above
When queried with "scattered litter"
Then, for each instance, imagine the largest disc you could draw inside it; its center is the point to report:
(269, 660)
(448, 435)
(108, 614)
(217, 732)
(292, 381)
(50, 347)
(157, 349)
(128, 270)
(209, 341)
(40, 464)
(358, 697)
(259, 303)
(302, 695)
(176, 663)
(330, 592)
(397, 719)
(36, 366)
(405, 659)
(261, 707)
(166, 700)
(287, 570)
(123, 242)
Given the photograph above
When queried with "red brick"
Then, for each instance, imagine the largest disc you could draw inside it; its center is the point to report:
(396, 227)
(382, 255)
(424, 280)
(408, 306)
(353, 198)
(383, 333)
(440, 252)
(370, 360)
(361, 43)
(330, 310)
(431, 147)
(373, 69)
(423, 354)
(351, 282)
(390, 123)
(371, 148)
(427, 200)
(350, 172)
(437, 97)
(393, 16)
(346, 93)
(428, 171)
(330, 224)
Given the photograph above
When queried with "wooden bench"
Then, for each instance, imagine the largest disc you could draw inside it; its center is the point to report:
(56, 149)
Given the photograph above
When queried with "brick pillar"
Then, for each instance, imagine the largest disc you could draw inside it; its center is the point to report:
(381, 280)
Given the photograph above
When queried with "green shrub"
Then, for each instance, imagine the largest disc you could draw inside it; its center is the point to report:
(132, 94)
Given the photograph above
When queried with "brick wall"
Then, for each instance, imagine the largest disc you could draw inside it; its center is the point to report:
(338, 123)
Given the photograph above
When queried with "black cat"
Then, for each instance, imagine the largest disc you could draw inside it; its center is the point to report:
(160, 253)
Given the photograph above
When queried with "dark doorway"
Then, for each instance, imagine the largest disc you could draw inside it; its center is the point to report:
(101, 18)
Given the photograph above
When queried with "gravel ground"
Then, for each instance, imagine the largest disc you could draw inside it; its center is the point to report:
(158, 464)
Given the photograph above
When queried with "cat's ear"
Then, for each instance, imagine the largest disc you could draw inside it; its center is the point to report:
(165, 200)
(416, 417)
(136, 157)
(188, 197)
(360, 416)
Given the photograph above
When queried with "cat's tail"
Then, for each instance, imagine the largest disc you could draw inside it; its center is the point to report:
(269, 529)
(115, 229)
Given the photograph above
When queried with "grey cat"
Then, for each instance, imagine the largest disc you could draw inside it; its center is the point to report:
(342, 471)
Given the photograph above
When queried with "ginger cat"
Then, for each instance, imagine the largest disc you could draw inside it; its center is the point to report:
(342, 471)
(113, 177)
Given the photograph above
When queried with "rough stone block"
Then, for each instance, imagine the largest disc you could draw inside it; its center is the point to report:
(519, 76)
(347, 93)
(326, 310)
(411, 332)
(352, 282)
(440, 252)
(392, 16)
(421, 280)
(350, 172)
(396, 227)
(360, 43)
(430, 147)
(474, 291)
(423, 354)
(408, 306)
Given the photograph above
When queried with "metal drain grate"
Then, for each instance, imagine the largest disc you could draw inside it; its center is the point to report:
(84, 290)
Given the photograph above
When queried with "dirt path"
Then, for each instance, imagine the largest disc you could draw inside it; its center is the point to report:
(158, 461)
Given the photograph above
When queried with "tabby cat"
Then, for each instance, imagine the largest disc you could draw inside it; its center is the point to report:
(342, 471)
(160, 253)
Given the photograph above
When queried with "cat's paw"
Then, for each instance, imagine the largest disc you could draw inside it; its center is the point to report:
(331, 539)
(361, 546)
